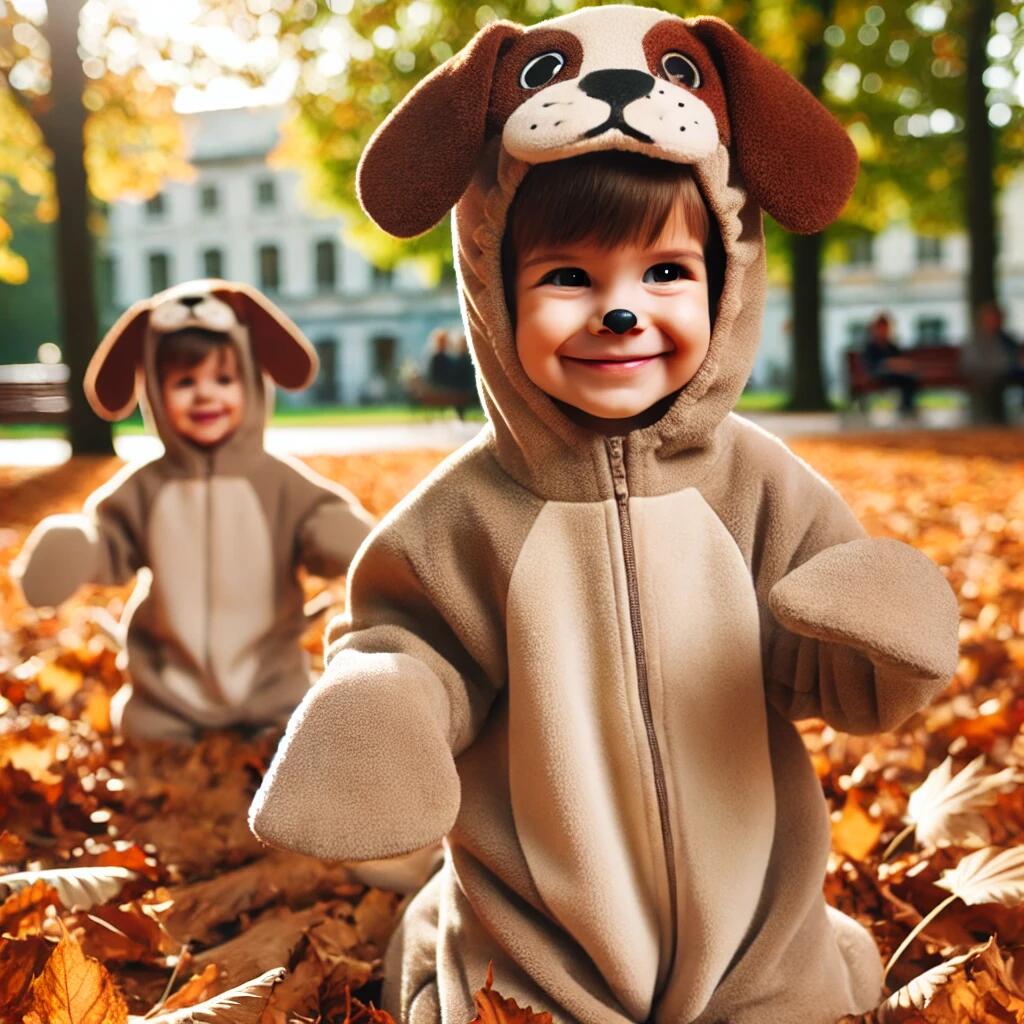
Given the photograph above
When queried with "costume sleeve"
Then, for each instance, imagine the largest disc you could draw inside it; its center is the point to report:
(366, 768)
(98, 545)
(331, 533)
(859, 631)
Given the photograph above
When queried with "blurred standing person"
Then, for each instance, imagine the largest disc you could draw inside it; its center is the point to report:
(992, 361)
(441, 366)
(886, 364)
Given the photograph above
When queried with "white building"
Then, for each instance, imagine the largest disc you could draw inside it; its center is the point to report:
(244, 220)
(920, 281)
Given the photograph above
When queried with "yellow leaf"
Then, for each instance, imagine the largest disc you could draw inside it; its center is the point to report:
(75, 989)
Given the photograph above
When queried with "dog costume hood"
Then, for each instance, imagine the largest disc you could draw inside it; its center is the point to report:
(579, 658)
(788, 156)
(212, 630)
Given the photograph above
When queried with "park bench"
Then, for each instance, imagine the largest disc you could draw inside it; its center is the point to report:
(428, 396)
(937, 366)
(33, 393)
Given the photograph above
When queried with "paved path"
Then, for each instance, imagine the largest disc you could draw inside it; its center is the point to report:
(446, 434)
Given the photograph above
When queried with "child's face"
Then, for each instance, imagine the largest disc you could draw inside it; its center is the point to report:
(562, 297)
(204, 403)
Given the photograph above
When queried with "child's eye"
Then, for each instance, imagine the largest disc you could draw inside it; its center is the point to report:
(225, 379)
(184, 382)
(567, 277)
(664, 273)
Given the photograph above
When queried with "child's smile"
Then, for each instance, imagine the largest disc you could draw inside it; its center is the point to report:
(611, 332)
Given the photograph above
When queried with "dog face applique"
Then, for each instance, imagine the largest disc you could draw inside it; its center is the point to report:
(600, 78)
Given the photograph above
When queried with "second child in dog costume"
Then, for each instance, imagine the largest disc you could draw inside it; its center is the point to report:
(580, 658)
(213, 640)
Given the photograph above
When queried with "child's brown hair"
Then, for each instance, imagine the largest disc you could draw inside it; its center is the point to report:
(184, 349)
(607, 198)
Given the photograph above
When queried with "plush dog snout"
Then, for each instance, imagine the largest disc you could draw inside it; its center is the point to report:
(618, 87)
(619, 320)
(191, 300)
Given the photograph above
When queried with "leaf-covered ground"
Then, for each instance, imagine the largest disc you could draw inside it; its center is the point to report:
(182, 915)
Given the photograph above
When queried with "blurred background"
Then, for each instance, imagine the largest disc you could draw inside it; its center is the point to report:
(147, 142)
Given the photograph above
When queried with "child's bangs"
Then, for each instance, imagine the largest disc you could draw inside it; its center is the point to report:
(186, 349)
(607, 199)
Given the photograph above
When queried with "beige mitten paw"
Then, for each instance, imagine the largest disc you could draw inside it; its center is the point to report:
(364, 770)
(878, 596)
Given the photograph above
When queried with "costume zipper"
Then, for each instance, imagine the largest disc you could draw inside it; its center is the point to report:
(617, 461)
(208, 588)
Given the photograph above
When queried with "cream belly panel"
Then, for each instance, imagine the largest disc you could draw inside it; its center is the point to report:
(702, 635)
(177, 536)
(242, 587)
(580, 771)
(213, 576)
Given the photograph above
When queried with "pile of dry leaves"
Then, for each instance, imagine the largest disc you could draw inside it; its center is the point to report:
(131, 889)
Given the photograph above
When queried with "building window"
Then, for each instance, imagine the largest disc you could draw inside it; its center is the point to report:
(325, 388)
(931, 330)
(384, 352)
(156, 206)
(213, 263)
(266, 192)
(929, 251)
(270, 268)
(326, 265)
(861, 251)
(382, 277)
(209, 198)
(108, 280)
(159, 271)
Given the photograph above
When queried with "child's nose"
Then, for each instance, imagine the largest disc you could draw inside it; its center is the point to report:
(615, 321)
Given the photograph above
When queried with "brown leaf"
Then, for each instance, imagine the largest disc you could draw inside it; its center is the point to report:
(20, 962)
(491, 1008)
(73, 989)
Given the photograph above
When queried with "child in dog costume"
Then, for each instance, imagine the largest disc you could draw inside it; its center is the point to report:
(213, 638)
(580, 658)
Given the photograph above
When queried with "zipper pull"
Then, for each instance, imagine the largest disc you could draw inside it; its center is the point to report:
(617, 461)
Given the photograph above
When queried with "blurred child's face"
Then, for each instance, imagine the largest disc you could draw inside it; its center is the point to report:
(204, 403)
(566, 349)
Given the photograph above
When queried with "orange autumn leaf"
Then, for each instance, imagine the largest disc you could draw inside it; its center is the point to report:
(74, 989)
(492, 1008)
(854, 831)
(23, 912)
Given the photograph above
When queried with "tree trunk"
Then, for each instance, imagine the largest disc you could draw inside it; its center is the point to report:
(807, 390)
(986, 396)
(63, 128)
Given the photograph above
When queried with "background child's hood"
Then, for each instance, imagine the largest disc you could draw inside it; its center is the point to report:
(266, 342)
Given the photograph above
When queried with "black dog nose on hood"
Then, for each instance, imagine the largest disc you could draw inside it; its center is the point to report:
(191, 300)
(619, 320)
(618, 87)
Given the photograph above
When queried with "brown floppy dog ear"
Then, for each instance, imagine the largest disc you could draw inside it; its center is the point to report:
(110, 375)
(794, 157)
(278, 345)
(422, 156)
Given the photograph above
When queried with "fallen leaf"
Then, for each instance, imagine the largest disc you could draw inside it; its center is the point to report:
(944, 808)
(241, 1005)
(77, 888)
(73, 989)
